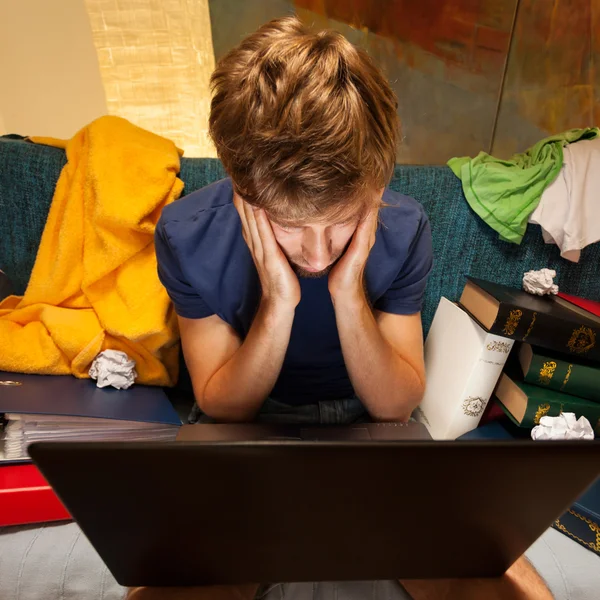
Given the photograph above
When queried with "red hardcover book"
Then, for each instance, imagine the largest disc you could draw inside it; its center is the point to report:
(26, 497)
(492, 412)
(590, 305)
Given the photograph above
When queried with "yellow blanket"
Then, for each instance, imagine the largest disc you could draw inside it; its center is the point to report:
(94, 284)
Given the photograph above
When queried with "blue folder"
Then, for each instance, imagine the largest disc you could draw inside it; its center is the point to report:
(65, 395)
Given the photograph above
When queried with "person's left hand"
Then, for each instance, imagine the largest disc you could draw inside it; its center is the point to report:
(346, 277)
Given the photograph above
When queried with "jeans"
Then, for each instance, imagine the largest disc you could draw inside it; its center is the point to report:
(326, 412)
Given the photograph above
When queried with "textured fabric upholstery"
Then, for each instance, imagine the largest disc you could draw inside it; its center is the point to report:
(463, 244)
(28, 175)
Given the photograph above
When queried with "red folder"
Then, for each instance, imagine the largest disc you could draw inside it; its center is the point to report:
(590, 305)
(26, 497)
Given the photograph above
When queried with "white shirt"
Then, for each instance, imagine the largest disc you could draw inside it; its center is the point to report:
(569, 210)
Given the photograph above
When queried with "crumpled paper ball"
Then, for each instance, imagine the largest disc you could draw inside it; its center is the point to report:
(113, 367)
(564, 427)
(540, 282)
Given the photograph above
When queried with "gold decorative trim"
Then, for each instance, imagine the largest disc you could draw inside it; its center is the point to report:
(530, 326)
(567, 377)
(498, 346)
(582, 340)
(540, 412)
(8, 382)
(562, 528)
(512, 322)
(546, 372)
(594, 527)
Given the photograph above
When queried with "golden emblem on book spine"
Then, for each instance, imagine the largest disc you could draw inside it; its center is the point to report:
(566, 377)
(497, 346)
(582, 340)
(542, 410)
(512, 322)
(530, 326)
(473, 406)
(546, 372)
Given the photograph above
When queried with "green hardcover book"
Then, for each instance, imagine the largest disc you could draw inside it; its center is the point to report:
(555, 372)
(526, 404)
(547, 322)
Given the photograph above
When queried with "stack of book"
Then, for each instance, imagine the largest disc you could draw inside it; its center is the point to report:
(556, 366)
(46, 408)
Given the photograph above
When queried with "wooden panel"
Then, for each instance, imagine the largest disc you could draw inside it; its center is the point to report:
(550, 81)
(444, 58)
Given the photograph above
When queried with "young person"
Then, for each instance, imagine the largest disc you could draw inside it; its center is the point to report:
(298, 281)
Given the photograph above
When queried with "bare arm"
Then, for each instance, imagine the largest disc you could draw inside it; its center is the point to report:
(383, 352)
(520, 582)
(384, 357)
(231, 378)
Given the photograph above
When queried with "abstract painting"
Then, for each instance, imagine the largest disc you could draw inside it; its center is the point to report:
(553, 77)
(445, 59)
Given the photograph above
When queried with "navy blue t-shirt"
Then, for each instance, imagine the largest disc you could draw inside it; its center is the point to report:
(207, 269)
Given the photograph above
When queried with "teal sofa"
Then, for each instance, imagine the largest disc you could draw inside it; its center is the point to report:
(462, 243)
(60, 562)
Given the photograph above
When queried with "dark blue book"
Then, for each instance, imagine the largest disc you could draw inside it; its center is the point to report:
(582, 521)
(490, 431)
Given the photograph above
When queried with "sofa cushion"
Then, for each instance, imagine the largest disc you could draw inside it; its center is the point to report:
(28, 176)
(462, 243)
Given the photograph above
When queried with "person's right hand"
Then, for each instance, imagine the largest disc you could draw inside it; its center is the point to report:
(279, 283)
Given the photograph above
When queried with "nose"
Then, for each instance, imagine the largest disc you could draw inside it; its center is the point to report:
(317, 250)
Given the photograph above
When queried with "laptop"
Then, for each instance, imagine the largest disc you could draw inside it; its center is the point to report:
(201, 512)
(247, 432)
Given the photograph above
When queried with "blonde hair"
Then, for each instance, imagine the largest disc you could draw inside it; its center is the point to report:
(304, 123)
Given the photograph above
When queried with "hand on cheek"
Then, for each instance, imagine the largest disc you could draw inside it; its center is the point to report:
(279, 284)
(346, 278)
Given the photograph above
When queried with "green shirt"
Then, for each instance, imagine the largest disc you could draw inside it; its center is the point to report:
(505, 192)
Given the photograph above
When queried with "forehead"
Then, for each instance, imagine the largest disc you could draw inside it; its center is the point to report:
(344, 216)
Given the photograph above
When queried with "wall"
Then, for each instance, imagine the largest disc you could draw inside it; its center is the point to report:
(49, 71)
(156, 58)
(445, 60)
(470, 75)
(553, 75)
